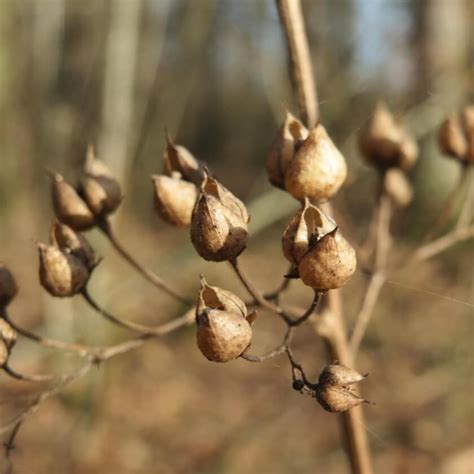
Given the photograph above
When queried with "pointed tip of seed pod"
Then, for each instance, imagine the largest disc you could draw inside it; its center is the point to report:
(90, 153)
(202, 280)
(53, 175)
(169, 140)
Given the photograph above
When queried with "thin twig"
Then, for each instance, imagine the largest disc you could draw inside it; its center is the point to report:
(27, 378)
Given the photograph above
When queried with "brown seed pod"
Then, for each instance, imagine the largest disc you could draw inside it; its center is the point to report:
(336, 374)
(329, 263)
(307, 226)
(69, 207)
(4, 353)
(452, 140)
(7, 334)
(69, 241)
(174, 199)
(179, 159)
(398, 187)
(467, 119)
(289, 136)
(8, 288)
(219, 223)
(222, 336)
(317, 170)
(100, 189)
(336, 398)
(61, 274)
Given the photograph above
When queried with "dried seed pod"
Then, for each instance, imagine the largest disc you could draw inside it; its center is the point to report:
(74, 243)
(222, 336)
(398, 187)
(329, 263)
(336, 398)
(336, 374)
(174, 199)
(61, 274)
(69, 207)
(179, 159)
(219, 223)
(8, 288)
(289, 137)
(451, 138)
(318, 169)
(4, 353)
(100, 189)
(7, 334)
(467, 119)
(306, 227)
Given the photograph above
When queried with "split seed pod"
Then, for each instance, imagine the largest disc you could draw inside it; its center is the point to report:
(336, 374)
(219, 223)
(289, 137)
(8, 288)
(306, 228)
(318, 169)
(69, 207)
(61, 274)
(385, 143)
(7, 334)
(337, 398)
(329, 263)
(100, 189)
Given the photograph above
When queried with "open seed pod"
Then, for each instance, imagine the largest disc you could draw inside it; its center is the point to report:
(219, 223)
(4, 353)
(8, 288)
(7, 334)
(289, 137)
(61, 274)
(69, 241)
(336, 374)
(337, 398)
(307, 227)
(317, 170)
(385, 143)
(100, 189)
(174, 199)
(329, 263)
(69, 207)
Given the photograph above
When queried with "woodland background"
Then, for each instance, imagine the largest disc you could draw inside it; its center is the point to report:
(116, 73)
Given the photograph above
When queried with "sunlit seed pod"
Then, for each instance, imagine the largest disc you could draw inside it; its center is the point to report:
(174, 199)
(398, 187)
(219, 223)
(336, 374)
(7, 334)
(61, 274)
(336, 398)
(289, 136)
(307, 226)
(408, 153)
(69, 207)
(4, 353)
(329, 263)
(467, 119)
(317, 170)
(222, 336)
(451, 138)
(8, 288)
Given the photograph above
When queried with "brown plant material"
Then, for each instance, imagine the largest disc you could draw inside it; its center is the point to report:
(307, 227)
(100, 189)
(8, 288)
(219, 223)
(288, 138)
(318, 169)
(337, 398)
(4, 353)
(398, 187)
(385, 143)
(456, 135)
(329, 263)
(69, 207)
(174, 199)
(61, 274)
(7, 334)
(336, 374)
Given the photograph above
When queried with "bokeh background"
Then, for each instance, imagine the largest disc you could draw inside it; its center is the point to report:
(116, 73)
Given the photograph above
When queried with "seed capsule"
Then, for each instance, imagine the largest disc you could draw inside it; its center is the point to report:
(219, 223)
(7, 334)
(336, 374)
(174, 199)
(336, 398)
(289, 137)
(4, 353)
(329, 263)
(451, 138)
(69, 207)
(8, 288)
(398, 187)
(317, 170)
(61, 274)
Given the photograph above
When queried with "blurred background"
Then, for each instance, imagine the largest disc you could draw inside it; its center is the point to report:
(116, 73)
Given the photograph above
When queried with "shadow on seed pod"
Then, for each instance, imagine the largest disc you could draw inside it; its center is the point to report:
(336, 398)
(336, 374)
(8, 288)
(317, 170)
(289, 137)
(7, 334)
(100, 189)
(329, 263)
(174, 199)
(4, 353)
(61, 274)
(219, 223)
(307, 226)
(69, 207)
(398, 187)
